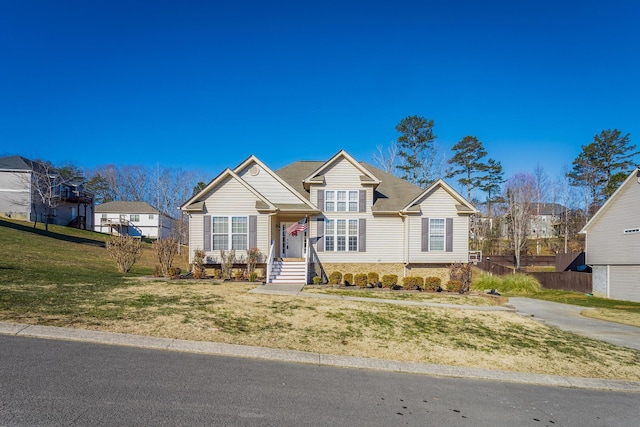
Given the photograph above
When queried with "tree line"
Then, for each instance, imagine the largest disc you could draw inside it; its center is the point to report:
(595, 174)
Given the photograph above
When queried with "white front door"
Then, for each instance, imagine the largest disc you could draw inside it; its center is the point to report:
(292, 245)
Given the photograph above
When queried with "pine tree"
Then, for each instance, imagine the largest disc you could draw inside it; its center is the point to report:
(468, 159)
(415, 141)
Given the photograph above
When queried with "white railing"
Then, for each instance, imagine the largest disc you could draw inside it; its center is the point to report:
(475, 256)
(270, 262)
(306, 262)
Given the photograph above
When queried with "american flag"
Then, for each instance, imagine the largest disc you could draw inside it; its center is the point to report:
(297, 227)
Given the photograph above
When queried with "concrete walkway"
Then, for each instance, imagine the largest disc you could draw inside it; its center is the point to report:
(112, 338)
(568, 318)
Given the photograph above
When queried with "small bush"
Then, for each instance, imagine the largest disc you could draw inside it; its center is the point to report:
(199, 271)
(317, 280)
(125, 250)
(217, 273)
(454, 286)
(238, 275)
(389, 280)
(462, 273)
(228, 258)
(165, 250)
(253, 276)
(348, 279)
(360, 280)
(413, 283)
(157, 271)
(174, 272)
(373, 279)
(335, 278)
(432, 284)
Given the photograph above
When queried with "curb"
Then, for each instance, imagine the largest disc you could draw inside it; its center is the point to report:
(212, 348)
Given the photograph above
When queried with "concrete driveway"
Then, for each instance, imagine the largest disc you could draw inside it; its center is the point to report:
(567, 317)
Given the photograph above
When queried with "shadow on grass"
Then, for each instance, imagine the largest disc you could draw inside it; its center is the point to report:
(64, 237)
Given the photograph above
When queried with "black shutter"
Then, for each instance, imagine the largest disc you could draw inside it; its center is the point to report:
(207, 233)
(425, 234)
(320, 232)
(363, 200)
(362, 235)
(321, 200)
(449, 234)
(253, 231)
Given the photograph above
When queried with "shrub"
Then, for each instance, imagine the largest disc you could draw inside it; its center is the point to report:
(373, 279)
(389, 280)
(253, 255)
(514, 284)
(432, 283)
(165, 250)
(238, 275)
(413, 283)
(348, 279)
(360, 280)
(197, 267)
(157, 271)
(174, 272)
(317, 280)
(253, 276)
(335, 278)
(454, 286)
(228, 258)
(125, 250)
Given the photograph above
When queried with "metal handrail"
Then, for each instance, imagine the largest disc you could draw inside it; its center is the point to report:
(270, 262)
(306, 261)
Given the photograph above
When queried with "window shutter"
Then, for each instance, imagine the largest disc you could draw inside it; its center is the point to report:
(320, 232)
(363, 200)
(321, 200)
(449, 235)
(207, 233)
(362, 235)
(425, 235)
(253, 231)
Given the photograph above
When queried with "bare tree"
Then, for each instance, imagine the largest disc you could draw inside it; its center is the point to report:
(45, 190)
(520, 190)
(541, 182)
(386, 160)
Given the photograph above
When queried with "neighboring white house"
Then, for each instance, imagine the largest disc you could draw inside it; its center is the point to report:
(353, 218)
(613, 243)
(72, 204)
(138, 219)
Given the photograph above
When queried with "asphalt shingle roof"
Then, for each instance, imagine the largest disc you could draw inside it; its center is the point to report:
(126, 207)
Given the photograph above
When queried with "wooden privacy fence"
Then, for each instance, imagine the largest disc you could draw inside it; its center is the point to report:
(565, 281)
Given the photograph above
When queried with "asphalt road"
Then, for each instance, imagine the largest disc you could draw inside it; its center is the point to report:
(51, 382)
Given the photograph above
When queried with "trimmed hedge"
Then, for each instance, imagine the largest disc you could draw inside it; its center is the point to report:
(432, 284)
(389, 280)
(347, 279)
(335, 278)
(360, 280)
(373, 279)
(413, 283)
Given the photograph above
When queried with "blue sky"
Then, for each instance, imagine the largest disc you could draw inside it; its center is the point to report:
(201, 85)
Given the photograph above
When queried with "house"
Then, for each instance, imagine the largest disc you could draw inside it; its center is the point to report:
(69, 203)
(324, 216)
(613, 243)
(138, 219)
(545, 219)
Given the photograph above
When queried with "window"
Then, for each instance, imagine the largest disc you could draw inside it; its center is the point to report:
(436, 234)
(104, 216)
(341, 235)
(150, 216)
(134, 217)
(227, 238)
(341, 201)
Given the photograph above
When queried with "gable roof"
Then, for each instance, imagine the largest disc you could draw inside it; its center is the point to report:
(633, 177)
(15, 163)
(316, 175)
(463, 206)
(196, 204)
(126, 207)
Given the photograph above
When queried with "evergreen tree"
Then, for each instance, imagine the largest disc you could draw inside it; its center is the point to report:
(491, 183)
(467, 162)
(416, 140)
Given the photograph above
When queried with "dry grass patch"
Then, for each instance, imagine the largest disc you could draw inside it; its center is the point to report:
(612, 315)
(227, 313)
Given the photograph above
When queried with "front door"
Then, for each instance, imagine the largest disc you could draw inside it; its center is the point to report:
(292, 245)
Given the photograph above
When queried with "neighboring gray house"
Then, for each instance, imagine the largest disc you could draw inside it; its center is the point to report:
(138, 219)
(613, 243)
(546, 216)
(335, 215)
(73, 205)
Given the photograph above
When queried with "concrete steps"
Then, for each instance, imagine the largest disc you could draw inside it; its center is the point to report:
(288, 272)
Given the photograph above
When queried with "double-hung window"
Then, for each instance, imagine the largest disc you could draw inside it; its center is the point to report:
(341, 235)
(134, 217)
(229, 232)
(436, 234)
(341, 201)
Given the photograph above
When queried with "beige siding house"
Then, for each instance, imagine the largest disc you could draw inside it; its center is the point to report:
(613, 243)
(351, 217)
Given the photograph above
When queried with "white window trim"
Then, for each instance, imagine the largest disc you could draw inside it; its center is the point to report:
(335, 234)
(346, 200)
(444, 235)
(230, 232)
